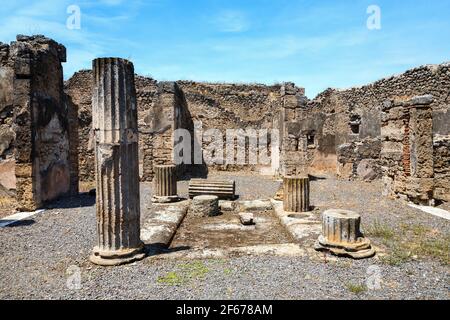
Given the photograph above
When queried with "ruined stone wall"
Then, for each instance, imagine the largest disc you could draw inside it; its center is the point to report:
(7, 135)
(165, 106)
(168, 112)
(415, 161)
(442, 168)
(296, 146)
(407, 155)
(353, 117)
(161, 109)
(146, 94)
(79, 97)
(339, 131)
(35, 111)
(232, 106)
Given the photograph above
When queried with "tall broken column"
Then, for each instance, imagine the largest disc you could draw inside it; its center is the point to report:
(117, 170)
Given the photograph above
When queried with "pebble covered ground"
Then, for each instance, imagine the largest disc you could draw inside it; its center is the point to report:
(39, 256)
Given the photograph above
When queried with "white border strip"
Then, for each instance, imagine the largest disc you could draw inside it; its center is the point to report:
(441, 213)
(4, 222)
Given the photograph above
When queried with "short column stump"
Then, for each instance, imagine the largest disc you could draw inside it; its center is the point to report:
(205, 206)
(341, 235)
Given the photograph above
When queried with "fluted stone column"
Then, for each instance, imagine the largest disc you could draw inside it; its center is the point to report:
(165, 184)
(341, 235)
(296, 194)
(116, 160)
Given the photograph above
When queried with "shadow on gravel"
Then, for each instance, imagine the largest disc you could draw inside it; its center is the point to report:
(80, 201)
(316, 178)
(199, 171)
(160, 249)
(21, 223)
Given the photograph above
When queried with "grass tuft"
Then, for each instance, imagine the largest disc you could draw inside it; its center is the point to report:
(185, 273)
(356, 288)
(171, 279)
(411, 240)
(380, 230)
(194, 270)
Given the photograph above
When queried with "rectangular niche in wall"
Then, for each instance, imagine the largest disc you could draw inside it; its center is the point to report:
(311, 139)
(355, 124)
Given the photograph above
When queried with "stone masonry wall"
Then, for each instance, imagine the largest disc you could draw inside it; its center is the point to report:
(338, 132)
(7, 134)
(161, 109)
(146, 95)
(79, 96)
(407, 155)
(442, 168)
(353, 117)
(220, 106)
(32, 79)
(232, 106)
(168, 112)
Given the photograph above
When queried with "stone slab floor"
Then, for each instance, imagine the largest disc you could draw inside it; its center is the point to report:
(38, 257)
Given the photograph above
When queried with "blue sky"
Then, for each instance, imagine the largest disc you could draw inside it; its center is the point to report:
(316, 44)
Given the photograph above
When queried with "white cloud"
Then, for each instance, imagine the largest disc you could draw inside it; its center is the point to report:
(286, 46)
(231, 21)
(41, 18)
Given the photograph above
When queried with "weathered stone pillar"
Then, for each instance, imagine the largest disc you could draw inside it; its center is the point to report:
(341, 235)
(165, 184)
(294, 147)
(407, 149)
(117, 174)
(296, 194)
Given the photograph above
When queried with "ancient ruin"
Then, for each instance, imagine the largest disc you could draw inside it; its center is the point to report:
(113, 131)
(339, 132)
(247, 154)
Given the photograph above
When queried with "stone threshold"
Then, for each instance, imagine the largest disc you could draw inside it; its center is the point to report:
(278, 250)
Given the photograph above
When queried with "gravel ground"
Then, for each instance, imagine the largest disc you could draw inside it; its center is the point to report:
(36, 254)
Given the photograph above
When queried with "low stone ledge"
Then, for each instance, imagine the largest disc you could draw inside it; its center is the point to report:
(255, 205)
(301, 226)
(160, 227)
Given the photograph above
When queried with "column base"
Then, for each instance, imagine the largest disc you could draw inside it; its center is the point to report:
(360, 250)
(116, 258)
